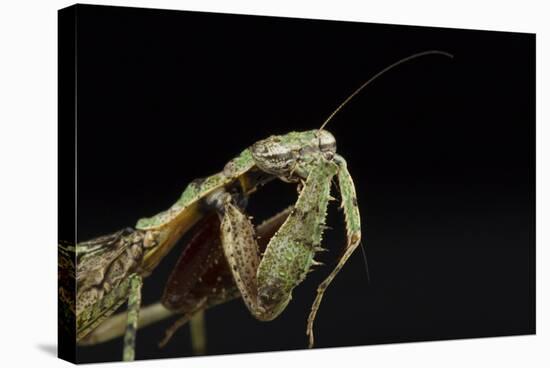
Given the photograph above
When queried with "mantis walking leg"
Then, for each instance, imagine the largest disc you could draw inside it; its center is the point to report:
(198, 333)
(353, 231)
(134, 303)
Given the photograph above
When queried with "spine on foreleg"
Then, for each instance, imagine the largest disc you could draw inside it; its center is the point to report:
(290, 253)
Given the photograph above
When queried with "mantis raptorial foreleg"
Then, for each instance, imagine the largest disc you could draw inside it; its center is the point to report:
(266, 284)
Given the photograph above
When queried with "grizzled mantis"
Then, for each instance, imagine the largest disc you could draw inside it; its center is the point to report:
(110, 268)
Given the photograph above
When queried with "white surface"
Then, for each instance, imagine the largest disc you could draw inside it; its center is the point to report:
(28, 182)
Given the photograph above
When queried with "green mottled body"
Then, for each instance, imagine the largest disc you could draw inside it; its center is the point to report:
(109, 265)
(265, 281)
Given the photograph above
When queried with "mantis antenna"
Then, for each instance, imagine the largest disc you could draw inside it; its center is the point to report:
(388, 68)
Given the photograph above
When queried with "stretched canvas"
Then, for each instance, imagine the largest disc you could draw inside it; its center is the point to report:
(220, 173)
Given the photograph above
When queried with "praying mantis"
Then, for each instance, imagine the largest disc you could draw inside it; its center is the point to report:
(225, 259)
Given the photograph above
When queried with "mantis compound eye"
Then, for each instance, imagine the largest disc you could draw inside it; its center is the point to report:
(327, 143)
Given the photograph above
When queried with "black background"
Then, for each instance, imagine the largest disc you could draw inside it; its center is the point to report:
(441, 151)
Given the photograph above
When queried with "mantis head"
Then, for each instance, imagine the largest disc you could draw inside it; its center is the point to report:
(288, 156)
